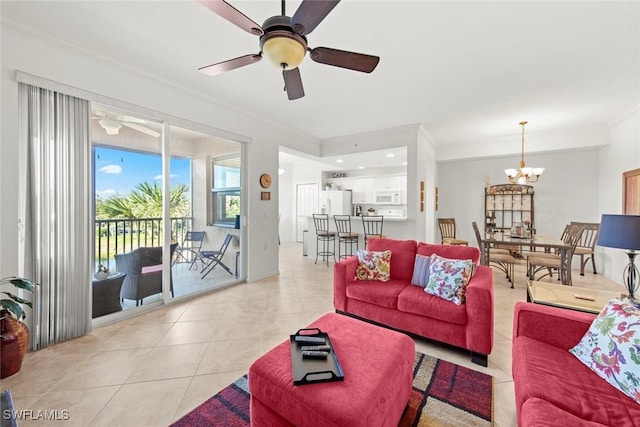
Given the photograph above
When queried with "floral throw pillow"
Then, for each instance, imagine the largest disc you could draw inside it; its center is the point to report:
(611, 347)
(448, 278)
(374, 265)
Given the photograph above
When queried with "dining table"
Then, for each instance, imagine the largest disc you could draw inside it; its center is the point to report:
(534, 242)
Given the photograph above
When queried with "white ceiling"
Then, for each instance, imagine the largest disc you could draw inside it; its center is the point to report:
(468, 71)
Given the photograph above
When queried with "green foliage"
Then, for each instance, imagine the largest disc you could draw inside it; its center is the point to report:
(13, 303)
(144, 201)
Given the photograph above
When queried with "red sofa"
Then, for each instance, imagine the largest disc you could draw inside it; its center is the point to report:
(405, 307)
(552, 386)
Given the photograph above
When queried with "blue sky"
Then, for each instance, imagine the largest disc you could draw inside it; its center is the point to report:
(119, 171)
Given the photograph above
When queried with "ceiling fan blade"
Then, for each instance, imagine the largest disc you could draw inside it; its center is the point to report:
(293, 83)
(344, 59)
(141, 129)
(233, 15)
(231, 64)
(310, 14)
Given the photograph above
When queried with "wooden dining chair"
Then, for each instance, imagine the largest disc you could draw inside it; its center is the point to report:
(537, 262)
(448, 232)
(587, 245)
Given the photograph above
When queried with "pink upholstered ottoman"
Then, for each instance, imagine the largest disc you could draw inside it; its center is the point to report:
(378, 376)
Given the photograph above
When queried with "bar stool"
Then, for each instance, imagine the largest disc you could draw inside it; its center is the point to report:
(321, 222)
(345, 235)
(372, 226)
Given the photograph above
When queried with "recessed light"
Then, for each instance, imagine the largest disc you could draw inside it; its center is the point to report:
(404, 163)
(339, 161)
(391, 155)
(360, 167)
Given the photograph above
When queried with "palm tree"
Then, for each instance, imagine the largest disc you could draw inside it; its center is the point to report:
(144, 201)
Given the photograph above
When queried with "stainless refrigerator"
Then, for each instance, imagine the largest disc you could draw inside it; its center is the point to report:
(336, 202)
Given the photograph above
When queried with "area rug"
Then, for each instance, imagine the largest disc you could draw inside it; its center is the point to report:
(444, 394)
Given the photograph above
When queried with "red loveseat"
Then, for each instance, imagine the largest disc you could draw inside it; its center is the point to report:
(400, 305)
(552, 387)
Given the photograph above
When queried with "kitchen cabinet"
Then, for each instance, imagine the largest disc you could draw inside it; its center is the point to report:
(363, 190)
(362, 187)
(393, 183)
(507, 204)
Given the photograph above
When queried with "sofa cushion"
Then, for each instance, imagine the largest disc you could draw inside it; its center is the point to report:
(449, 251)
(381, 294)
(553, 374)
(373, 265)
(414, 300)
(448, 278)
(610, 348)
(538, 412)
(421, 271)
(403, 254)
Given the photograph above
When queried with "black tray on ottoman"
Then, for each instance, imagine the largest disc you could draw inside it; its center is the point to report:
(309, 371)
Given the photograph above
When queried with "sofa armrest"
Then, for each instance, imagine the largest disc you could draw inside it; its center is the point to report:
(559, 327)
(479, 302)
(343, 272)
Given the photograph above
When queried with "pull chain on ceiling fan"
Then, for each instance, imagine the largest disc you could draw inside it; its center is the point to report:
(283, 41)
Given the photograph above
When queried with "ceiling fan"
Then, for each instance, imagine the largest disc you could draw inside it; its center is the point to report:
(283, 40)
(112, 123)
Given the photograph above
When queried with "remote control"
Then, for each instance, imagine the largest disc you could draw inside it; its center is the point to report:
(584, 297)
(314, 354)
(308, 340)
(316, 348)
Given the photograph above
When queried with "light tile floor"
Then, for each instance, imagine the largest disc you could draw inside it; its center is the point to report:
(152, 369)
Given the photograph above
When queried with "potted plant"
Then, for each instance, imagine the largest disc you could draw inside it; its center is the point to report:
(14, 334)
(102, 272)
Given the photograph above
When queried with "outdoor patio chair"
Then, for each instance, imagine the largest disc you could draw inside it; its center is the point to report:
(143, 269)
(189, 251)
(214, 258)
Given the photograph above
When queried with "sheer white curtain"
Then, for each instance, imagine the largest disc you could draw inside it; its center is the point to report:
(57, 212)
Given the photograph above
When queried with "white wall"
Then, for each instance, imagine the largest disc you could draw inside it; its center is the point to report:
(567, 191)
(60, 63)
(622, 155)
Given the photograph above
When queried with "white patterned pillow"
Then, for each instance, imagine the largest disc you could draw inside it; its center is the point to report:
(448, 278)
(421, 271)
(374, 265)
(611, 347)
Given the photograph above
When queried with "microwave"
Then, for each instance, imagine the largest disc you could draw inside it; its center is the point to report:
(388, 197)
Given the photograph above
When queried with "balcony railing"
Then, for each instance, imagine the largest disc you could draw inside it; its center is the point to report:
(117, 236)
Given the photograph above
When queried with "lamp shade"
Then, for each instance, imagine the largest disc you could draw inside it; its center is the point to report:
(620, 231)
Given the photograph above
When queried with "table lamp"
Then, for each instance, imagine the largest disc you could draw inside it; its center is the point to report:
(623, 232)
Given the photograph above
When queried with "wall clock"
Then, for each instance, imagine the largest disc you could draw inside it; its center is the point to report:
(265, 180)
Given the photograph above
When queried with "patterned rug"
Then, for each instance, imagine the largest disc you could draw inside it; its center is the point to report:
(444, 394)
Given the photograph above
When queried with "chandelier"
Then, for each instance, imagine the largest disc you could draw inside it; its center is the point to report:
(524, 175)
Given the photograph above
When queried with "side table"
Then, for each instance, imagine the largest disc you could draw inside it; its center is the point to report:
(106, 295)
(564, 296)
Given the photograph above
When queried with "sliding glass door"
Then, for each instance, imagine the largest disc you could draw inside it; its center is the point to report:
(204, 195)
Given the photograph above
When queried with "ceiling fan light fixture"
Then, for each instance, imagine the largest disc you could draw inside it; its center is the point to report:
(112, 127)
(284, 50)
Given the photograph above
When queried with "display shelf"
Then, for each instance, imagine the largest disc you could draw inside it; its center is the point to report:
(506, 205)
